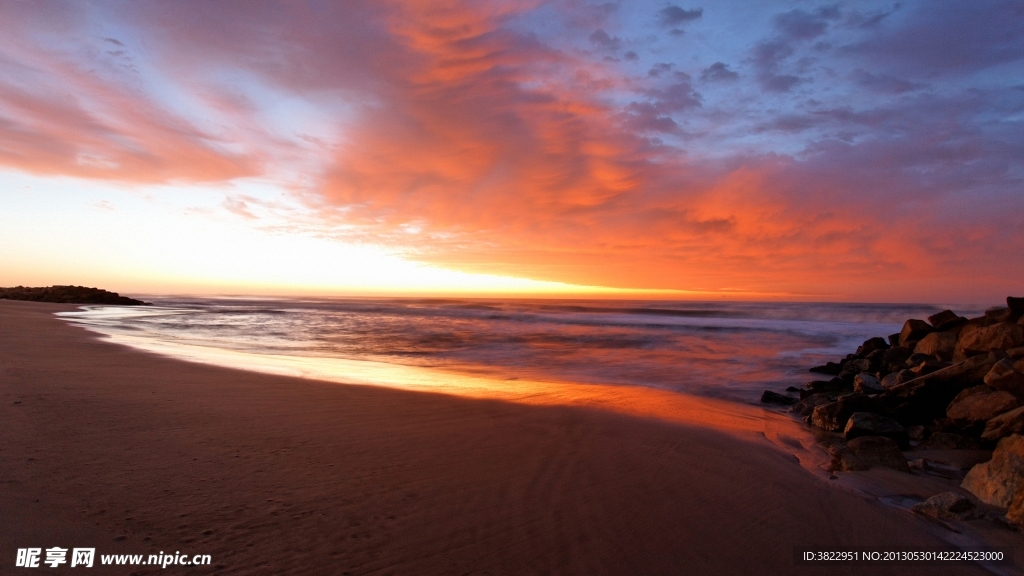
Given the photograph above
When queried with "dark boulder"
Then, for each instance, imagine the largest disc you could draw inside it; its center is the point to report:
(913, 330)
(970, 413)
(829, 368)
(947, 506)
(1005, 424)
(1016, 305)
(938, 345)
(770, 397)
(1000, 314)
(872, 344)
(805, 407)
(834, 416)
(945, 319)
(949, 441)
(874, 451)
(999, 336)
(1003, 376)
(896, 357)
(869, 424)
(867, 383)
(928, 366)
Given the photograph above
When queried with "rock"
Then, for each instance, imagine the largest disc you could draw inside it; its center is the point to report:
(894, 339)
(793, 389)
(971, 413)
(939, 345)
(770, 397)
(913, 330)
(833, 416)
(917, 432)
(1019, 365)
(870, 345)
(833, 386)
(970, 392)
(1000, 314)
(844, 459)
(918, 359)
(878, 451)
(1001, 426)
(857, 366)
(868, 424)
(1016, 305)
(895, 379)
(995, 482)
(947, 506)
(1000, 336)
(875, 358)
(806, 406)
(1016, 353)
(1003, 376)
(896, 357)
(926, 398)
(949, 441)
(945, 319)
(865, 383)
(829, 368)
(1016, 512)
(928, 366)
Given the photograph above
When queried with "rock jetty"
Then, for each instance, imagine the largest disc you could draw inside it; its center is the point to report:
(944, 383)
(68, 295)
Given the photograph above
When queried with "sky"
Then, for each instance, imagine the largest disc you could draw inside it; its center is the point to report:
(857, 151)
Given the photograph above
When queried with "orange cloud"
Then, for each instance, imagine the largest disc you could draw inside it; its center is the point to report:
(463, 138)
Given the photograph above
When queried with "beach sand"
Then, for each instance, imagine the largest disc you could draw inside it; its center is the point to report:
(129, 452)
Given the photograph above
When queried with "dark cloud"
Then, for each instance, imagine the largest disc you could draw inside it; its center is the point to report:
(802, 25)
(658, 69)
(673, 15)
(779, 82)
(113, 41)
(718, 71)
(884, 84)
(631, 56)
(601, 39)
(944, 36)
(645, 117)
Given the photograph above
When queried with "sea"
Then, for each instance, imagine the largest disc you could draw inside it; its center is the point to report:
(726, 350)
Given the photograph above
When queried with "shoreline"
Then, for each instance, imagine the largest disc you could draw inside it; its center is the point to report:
(271, 474)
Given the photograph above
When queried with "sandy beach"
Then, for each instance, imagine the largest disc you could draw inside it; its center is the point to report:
(133, 453)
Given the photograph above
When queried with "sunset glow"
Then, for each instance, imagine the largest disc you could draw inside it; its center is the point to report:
(819, 151)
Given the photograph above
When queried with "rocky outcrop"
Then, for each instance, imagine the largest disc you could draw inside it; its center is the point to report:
(68, 295)
(995, 482)
(924, 399)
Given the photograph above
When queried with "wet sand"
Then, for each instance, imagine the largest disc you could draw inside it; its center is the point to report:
(130, 452)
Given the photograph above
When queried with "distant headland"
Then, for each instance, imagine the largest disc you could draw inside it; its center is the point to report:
(68, 295)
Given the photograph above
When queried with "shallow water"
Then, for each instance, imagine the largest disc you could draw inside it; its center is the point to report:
(731, 350)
